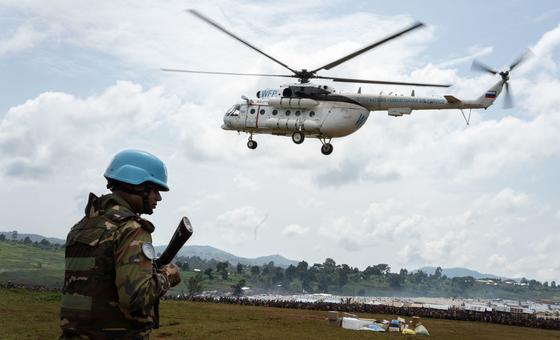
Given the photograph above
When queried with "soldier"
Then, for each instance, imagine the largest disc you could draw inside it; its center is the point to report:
(111, 289)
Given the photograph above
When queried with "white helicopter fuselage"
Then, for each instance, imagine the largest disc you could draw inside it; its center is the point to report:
(327, 119)
(334, 115)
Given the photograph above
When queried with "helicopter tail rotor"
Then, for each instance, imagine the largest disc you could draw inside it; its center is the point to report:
(480, 67)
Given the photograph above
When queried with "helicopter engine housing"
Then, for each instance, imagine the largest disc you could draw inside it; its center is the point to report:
(292, 103)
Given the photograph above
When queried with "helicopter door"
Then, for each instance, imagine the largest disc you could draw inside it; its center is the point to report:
(252, 116)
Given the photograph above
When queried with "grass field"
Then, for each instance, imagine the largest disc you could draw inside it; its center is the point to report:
(34, 315)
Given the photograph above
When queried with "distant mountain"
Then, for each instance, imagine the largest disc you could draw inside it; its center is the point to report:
(208, 253)
(204, 252)
(32, 237)
(459, 272)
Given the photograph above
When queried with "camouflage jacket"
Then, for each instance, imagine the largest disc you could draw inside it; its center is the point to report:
(110, 286)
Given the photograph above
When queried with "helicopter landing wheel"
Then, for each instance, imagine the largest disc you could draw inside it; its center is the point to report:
(251, 144)
(327, 149)
(298, 137)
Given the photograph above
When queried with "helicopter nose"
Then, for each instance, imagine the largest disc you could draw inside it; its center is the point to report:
(227, 123)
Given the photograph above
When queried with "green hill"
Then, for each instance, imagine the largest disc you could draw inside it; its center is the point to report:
(31, 264)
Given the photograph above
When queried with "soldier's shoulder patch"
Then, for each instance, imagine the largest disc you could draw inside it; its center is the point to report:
(149, 251)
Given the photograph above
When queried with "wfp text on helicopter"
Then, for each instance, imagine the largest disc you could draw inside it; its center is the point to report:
(304, 110)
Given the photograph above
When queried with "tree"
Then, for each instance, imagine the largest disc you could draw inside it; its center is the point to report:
(2, 237)
(301, 271)
(194, 284)
(395, 280)
(237, 289)
(437, 273)
(460, 284)
(343, 273)
(324, 281)
(14, 235)
(329, 266)
(369, 271)
(208, 272)
(553, 284)
(45, 243)
(342, 278)
(221, 268)
(255, 270)
(185, 266)
(291, 273)
(239, 269)
(277, 275)
(534, 283)
(383, 268)
(27, 240)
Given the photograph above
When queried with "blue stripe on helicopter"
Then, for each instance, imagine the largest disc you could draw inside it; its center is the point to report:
(360, 121)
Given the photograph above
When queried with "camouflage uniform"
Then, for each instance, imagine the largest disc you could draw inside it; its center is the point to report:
(110, 286)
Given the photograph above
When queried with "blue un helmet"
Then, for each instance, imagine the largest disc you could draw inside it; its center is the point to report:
(136, 167)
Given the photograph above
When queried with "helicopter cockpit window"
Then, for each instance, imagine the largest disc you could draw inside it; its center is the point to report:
(234, 111)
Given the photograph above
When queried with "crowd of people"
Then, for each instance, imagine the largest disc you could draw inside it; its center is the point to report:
(498, 317)
(505, 318)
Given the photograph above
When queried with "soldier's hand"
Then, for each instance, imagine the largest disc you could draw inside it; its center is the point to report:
(172, 272)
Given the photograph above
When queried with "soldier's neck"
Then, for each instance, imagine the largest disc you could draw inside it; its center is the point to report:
(135, 201)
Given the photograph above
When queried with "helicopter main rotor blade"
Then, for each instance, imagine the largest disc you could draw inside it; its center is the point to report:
(369, 47)
(366, 81)
(216, 25)
(228, 73)
(478, 66)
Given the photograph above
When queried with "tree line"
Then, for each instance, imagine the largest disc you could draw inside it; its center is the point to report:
(43, 244)
(333, 278)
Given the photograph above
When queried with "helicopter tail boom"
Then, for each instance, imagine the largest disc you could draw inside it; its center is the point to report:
(488, 97)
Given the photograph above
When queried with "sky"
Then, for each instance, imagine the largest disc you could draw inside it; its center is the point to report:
(81, 81)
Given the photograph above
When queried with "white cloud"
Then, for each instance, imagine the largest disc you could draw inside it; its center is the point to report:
(474, 53)
(491, 226)
(55, 129)
(25, 37)
(240, 224)
(245, 183)
(294, 230)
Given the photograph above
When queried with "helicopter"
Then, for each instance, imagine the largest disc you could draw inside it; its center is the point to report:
(306, 110)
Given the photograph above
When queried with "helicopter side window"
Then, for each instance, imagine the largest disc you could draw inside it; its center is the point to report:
(312, 113)
(298, 113)
(288, 112)
(252, 111)
(234, 111)
(274, 112)
(262, 111)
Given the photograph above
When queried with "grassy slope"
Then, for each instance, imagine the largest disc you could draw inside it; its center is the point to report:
(181, 320)
(31, 265)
